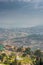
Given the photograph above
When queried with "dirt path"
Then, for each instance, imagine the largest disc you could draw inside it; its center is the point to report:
(1, 64)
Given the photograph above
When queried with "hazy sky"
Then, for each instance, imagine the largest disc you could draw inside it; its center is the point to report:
(21, 13)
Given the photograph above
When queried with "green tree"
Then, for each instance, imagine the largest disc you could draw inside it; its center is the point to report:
(19, 49)
(27, 51)
(15, 62)
(38, 53)
(19, 63)
(1, 57)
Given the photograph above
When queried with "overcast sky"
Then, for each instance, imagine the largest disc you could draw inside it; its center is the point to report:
(21, 13)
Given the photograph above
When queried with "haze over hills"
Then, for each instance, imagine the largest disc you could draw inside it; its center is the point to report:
(32, 37)
(35, 29)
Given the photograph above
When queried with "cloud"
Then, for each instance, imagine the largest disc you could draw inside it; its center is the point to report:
(6, 0)
(36, 3)
(25, 0)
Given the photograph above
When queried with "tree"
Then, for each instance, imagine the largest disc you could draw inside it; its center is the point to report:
(1, 57)
(19, 63)
(27, 51)
(3, 54)
(41, 62)
(19, 49)
(15, 62)
(38, 53)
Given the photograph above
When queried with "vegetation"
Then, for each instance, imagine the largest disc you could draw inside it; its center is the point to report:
(22, 57)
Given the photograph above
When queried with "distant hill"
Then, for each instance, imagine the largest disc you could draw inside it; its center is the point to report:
(31, 30)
